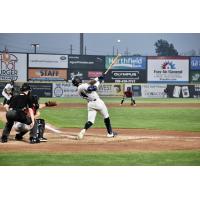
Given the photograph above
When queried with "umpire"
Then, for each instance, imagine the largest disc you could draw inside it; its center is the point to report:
(19, 104)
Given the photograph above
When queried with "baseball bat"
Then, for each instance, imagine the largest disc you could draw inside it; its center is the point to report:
(47, 126)
(61, 133)
(113, 62)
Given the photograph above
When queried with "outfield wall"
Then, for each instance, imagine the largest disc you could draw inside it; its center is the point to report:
(128, 69)
(50, 75)
(152, 90)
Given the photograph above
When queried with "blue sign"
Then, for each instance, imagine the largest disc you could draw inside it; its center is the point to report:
(195, 63)
(127, 62)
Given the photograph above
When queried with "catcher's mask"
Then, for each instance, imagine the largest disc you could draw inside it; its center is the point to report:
(35, 99)
(76, 81)
(25, 87)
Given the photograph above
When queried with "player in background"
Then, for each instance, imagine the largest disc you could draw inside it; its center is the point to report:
(88, 91)
(8, 93)
(129, 94)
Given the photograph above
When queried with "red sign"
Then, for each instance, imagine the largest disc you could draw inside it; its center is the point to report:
(94, 74)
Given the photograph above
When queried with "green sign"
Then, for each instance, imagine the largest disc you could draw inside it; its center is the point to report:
(195, 76)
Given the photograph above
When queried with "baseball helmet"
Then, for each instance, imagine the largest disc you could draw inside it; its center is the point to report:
(128, 88)
(76, 81)
(25, 87)
(12, 82)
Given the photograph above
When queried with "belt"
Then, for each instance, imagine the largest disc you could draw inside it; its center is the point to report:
(92, 100)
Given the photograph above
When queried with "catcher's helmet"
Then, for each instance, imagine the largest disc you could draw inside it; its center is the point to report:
(12, 82)
(76, 81)
(25, 87)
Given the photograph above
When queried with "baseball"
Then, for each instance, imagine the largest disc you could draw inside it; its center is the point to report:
(118, 40)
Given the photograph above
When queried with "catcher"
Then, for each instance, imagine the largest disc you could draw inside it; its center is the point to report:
(22, 129)
(129, 94)
(95, 104)
(19, 105)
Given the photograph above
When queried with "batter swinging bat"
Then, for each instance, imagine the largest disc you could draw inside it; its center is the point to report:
(113, 62)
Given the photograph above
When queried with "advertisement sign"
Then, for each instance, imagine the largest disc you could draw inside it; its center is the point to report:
(127, 62)
(41, 89)
(107, 89)
(181, 91)
(195, 63)
(195, 76)
(68, 90)
(47, 61)
(15, 69)
(137, 90)
(168, 69)
(84, 62)
(44, 74)
(153, 90)
(126, 76)
(197, 91)
(84, 74)
(64, 90)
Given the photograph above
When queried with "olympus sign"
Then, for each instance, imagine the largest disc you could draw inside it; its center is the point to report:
(125, 74)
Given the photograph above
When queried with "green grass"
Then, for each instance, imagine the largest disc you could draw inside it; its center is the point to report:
(180, 119)
(1, 124)
(147, 118)
(118, 99)
(182, 158)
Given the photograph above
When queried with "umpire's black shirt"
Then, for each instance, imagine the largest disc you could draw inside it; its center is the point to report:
(21, 101)
(17, 106)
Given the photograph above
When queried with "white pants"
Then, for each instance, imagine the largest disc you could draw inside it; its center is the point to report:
(97, 106)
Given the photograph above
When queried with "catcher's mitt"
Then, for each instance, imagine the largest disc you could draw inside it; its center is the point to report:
(50, 103)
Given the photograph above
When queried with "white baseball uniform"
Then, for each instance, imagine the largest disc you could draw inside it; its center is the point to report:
(7, 91)
(95, 104)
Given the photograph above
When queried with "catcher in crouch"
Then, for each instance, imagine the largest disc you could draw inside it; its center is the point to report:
(95, 104)
(22, 129)
(129, 94)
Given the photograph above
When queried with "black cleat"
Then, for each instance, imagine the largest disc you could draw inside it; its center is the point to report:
(34, 140)
(18, 137)
(4, 139)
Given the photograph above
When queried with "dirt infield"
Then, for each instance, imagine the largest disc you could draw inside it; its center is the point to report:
(95, 140)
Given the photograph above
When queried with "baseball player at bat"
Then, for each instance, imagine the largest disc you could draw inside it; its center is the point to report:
(88, 91)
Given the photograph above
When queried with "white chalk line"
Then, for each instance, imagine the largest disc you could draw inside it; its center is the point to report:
(161, 137)
(73, 135)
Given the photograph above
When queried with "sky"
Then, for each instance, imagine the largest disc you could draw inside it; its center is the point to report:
(97, 43)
